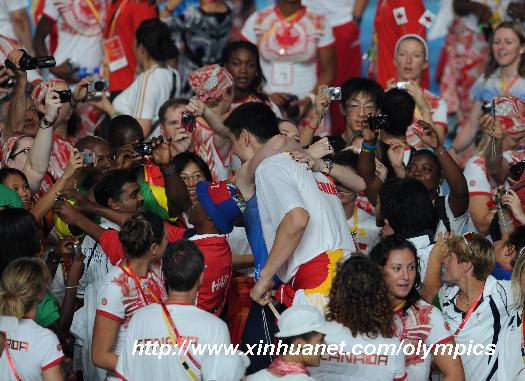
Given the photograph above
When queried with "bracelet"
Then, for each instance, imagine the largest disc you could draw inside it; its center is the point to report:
(71, 287)
(329, 165)
(367, 148)
(311, 126)
(168, 170)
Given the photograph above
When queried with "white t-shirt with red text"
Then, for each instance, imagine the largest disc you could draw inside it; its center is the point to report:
(282, 184)
(148, 326)
(421, 322)
(79, 31)
(354, 364)
(288, 49)
(33, 350)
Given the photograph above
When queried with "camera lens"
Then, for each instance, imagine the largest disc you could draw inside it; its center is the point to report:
(99, 85)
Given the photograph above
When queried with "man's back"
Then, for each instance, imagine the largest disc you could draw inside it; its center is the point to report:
(148, 326)
(282, 185)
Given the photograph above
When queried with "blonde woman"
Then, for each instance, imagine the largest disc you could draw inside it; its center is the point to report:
(511, 364)
(30, 353)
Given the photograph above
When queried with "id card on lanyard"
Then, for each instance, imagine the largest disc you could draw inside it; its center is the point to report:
(113, 49)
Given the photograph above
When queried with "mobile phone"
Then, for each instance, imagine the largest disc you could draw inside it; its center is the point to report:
(65, 95)
(187, 121)
(88, 158)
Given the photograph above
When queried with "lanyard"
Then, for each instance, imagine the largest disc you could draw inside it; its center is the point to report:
(174, 334)
(285, 40)
(10, 360)
(285, 367)
(94, 11)
(114, 18)
(469, 312)
(353, 232)
(505, 87)
(129, 272)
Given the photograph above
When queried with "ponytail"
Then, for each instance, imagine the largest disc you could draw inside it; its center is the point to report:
(155, 36)
(23, 283)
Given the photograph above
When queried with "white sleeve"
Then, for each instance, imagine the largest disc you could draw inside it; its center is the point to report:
(15, 5)
(248, 30)
(50, 10)
(327, 38)
(477, 178)
(438, 333)
(49, 350)
(440, 113)
(110, 304)
(277, 188)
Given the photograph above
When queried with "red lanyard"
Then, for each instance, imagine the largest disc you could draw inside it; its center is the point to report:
(10, 360)
(469, 312)
(114, 18)
(286, 39)
(129, 272)
(284, 367)
(177, 334)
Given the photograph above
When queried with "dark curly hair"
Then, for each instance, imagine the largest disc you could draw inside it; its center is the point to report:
(359, 299)
(380, 253)
(140, 232)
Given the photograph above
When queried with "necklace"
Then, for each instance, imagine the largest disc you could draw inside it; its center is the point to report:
(464, 298)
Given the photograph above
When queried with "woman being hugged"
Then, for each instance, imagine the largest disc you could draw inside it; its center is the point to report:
(30, 352)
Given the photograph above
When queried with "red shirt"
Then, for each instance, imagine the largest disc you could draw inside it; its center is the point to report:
(388, 29)
(217, 258)
(127, 21)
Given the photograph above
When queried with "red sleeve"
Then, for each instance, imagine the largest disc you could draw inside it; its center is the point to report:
(174, 233)
(110, 243)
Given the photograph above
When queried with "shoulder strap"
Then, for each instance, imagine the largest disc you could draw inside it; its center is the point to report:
(10, 360)
(441, 210)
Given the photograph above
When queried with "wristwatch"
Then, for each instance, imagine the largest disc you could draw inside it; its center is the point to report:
(329, 165)
(45, 124)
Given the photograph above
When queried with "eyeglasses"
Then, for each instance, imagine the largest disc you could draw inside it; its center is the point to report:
(27, 151)
(469, 237)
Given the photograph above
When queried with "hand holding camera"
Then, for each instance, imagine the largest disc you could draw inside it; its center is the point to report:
(510, 199)
(88, 86)
(19, 60)
(52, 105)
(161, 153)
(491, 126)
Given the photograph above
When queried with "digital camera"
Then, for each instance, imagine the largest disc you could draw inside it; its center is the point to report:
(334, 93)
(378, 122)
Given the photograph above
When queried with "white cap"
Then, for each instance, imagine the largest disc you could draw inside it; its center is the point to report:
(222, 367)
(414, 37)
(300, 319)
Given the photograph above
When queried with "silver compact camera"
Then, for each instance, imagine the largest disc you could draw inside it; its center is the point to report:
(402, 85)
(334, 93)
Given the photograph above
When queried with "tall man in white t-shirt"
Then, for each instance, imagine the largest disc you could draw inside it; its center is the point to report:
(183, 266)
(302, 218)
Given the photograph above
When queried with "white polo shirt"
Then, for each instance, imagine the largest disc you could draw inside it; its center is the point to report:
(282, 184)
(148, 326)
(483, 327)
(337, 12)
(33, 350)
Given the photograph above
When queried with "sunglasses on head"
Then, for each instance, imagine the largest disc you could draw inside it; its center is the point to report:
(468, 238)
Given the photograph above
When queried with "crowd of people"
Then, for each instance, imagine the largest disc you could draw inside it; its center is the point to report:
(184, 173)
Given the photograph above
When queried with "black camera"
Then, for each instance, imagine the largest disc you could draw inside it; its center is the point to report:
(500, 192)
(9, 84)
(144, 148)
(516, 170)
(378, 122)
(489, 108)
(96, 86)
(65, 95)
(31, 63)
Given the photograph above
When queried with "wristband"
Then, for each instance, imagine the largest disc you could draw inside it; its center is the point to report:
(367, 148)
(45, 124)
(71, 287)
(312, 126)
(329, 165)
(440, 151)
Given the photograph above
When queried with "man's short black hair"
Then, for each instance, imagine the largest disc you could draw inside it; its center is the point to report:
(110, 186)
(407, 206)
(123, 130)
(364, 86)
(255, 117)
(399, 106)
(182, 265)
